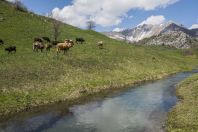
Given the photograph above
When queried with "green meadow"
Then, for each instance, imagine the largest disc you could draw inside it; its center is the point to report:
(29, 79)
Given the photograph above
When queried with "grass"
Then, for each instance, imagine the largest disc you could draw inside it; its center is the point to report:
(184, 117)
(29, 79)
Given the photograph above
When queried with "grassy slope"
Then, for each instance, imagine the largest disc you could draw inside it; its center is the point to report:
(184, 117)
(31, 79)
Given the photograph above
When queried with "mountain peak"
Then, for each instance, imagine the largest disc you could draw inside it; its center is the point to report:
(170, 22)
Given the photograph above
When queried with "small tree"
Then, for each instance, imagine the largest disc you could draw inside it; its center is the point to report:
(18, 5)
(56, 29)
(91, 25)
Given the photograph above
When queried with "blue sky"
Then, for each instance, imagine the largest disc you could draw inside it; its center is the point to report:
(45, 6)
(183, 11)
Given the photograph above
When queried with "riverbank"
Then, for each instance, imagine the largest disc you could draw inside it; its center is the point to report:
(76, 97)
(184, 117)
(142, 107)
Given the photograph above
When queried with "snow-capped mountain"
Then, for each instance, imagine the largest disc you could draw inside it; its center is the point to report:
(179, 32)
(145, 31)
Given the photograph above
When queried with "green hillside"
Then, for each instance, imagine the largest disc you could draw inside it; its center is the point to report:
(29, 79)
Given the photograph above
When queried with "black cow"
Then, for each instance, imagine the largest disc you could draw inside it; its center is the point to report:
(11, 49)
(1, 42)
(80, 40)
(46, 39)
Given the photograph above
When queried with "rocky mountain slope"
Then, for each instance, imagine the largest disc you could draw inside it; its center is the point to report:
(176, 39)
(169, 33)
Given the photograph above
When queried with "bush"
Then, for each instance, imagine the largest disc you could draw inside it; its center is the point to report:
(19, 6)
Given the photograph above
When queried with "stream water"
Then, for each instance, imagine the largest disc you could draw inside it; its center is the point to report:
(140, 109)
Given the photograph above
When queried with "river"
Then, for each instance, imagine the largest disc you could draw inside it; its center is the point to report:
(139, 109)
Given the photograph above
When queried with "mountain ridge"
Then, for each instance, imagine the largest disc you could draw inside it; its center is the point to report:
(145, 31)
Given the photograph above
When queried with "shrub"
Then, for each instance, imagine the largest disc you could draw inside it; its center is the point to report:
(19, 6)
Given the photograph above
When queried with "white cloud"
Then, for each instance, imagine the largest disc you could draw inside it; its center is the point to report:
(118, 29)
(104, 12)
(154, 20)
(10, 0)
(194, 26)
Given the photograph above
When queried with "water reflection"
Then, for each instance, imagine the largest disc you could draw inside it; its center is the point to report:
(142, 109)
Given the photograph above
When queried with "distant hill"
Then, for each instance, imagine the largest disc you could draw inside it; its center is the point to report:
(181, 37)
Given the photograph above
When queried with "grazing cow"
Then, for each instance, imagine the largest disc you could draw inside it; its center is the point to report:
(38, 45)
(11, 49)
(38, 40)
(1, 42)
(48, 47)
(100, 44)
(46, 39)
(80, 40)
(64, 46)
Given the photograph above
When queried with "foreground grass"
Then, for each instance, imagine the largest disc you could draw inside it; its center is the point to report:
(29, 79)
(184, 117)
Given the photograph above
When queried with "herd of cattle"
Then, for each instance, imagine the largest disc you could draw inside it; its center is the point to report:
(44, 43)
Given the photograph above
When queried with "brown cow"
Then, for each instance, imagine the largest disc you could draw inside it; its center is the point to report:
(64, 46)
